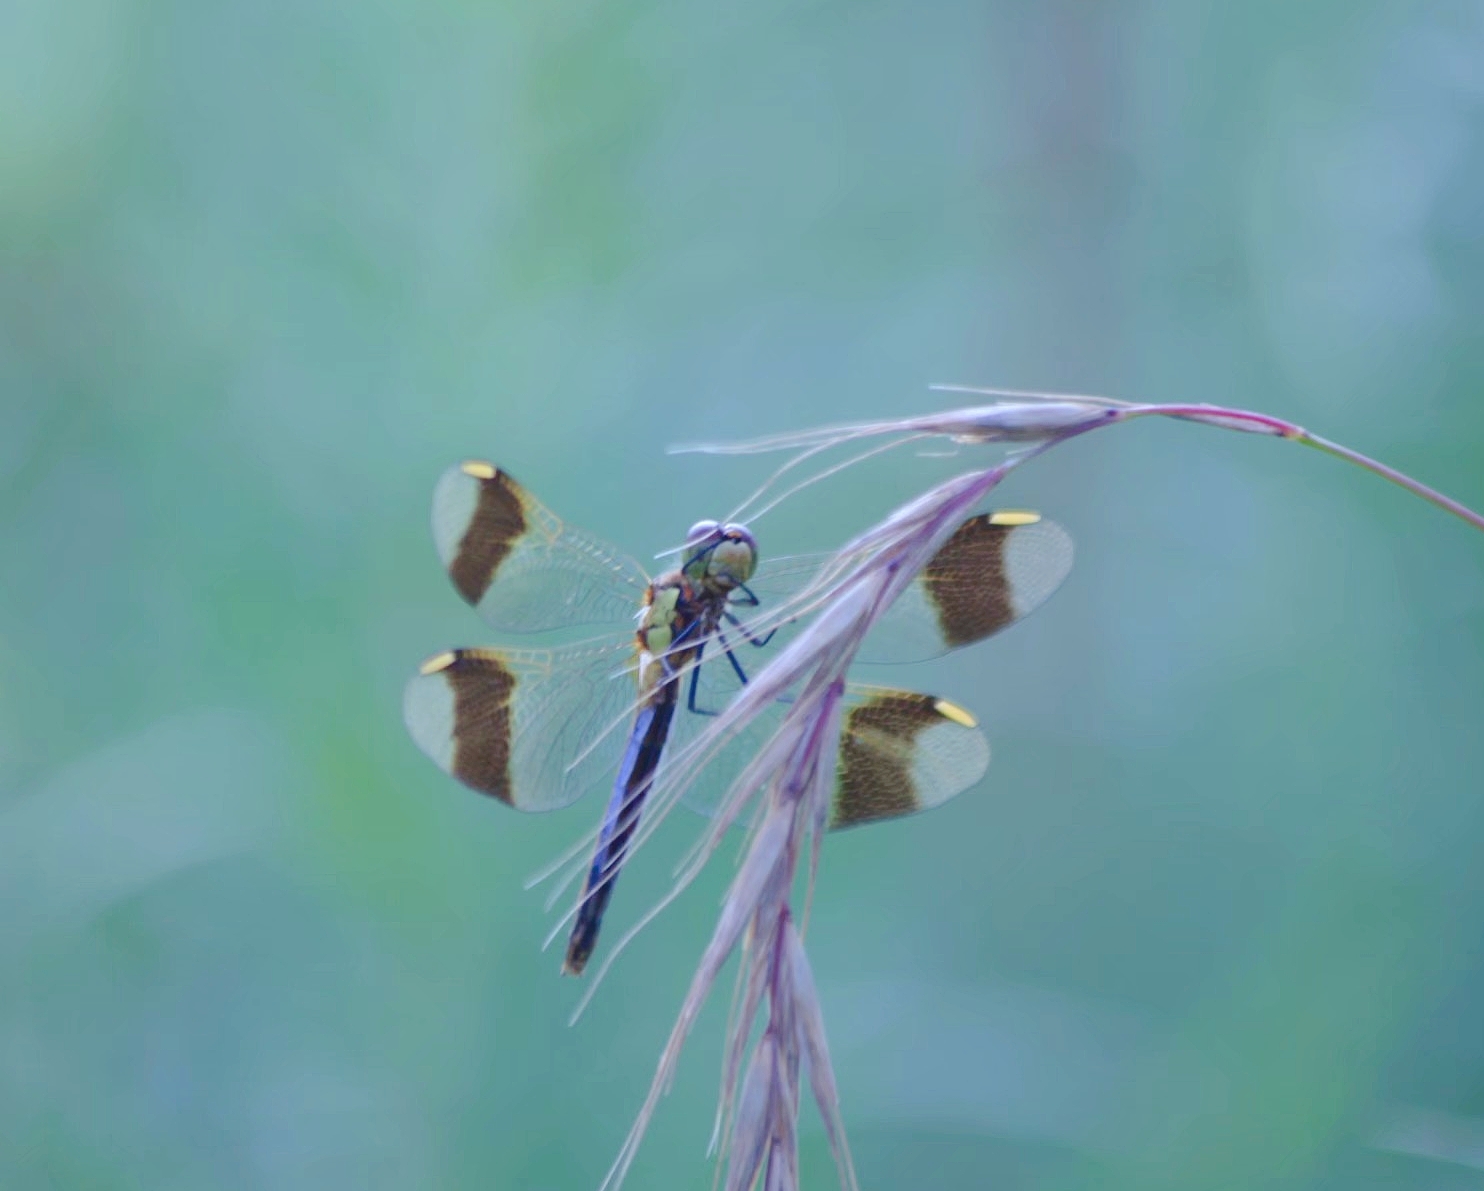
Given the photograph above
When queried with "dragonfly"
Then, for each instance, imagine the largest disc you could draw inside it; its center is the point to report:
(529, 726)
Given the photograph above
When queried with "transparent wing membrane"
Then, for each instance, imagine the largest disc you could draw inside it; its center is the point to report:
(519, 565)
(530, 727)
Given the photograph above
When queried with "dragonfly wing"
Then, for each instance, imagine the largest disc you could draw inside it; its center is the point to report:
(526, 726)
(518, 565)
(996, 568)
(902, 752)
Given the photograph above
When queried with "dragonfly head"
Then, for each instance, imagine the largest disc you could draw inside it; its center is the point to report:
(721, 556)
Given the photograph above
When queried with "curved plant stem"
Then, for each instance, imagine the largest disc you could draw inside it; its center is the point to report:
(1416, 487)
(1241, 419)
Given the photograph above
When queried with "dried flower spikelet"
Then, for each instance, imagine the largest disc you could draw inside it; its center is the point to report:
(1040, 416)
(765, 1138)
(1017, 421)
(809, 1020)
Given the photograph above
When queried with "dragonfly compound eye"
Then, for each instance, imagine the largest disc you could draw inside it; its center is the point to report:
(702, 533)
(735, 556)
(701, 537)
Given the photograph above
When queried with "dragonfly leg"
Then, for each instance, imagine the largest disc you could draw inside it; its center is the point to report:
(690, 703)
(751, 640)
(695, 675)
(695, 666)
(732, 655)
(690, 694)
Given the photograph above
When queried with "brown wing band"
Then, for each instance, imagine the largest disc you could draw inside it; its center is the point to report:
(967, 585)
(498, 522)
(872, 784)
(481, 687)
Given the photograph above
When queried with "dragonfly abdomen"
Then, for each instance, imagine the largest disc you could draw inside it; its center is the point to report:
(640, 762)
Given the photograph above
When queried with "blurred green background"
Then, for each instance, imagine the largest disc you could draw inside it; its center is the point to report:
(1214, 918)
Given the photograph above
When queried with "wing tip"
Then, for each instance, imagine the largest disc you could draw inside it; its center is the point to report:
(439, 662)
(1011, 518)
(953, 712)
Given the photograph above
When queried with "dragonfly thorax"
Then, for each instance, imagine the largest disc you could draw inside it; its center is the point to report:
(658, 619)
(668, 620)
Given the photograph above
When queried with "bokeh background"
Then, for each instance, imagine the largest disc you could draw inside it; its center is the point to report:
(1214, 918)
